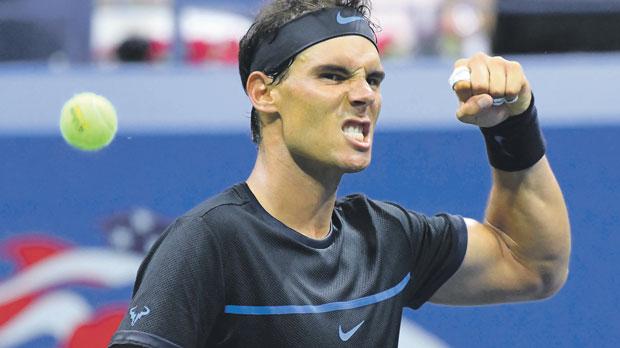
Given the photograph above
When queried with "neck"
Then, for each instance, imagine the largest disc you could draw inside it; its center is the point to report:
(301, 199)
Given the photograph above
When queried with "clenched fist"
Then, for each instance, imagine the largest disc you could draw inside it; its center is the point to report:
(481, 79)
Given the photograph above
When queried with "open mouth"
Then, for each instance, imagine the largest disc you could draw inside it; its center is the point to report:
(357, 131)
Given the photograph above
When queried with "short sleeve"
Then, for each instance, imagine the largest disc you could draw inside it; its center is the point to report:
(439, 248)
(438, 245)
(178, 293)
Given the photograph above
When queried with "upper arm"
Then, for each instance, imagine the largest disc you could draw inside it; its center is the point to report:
(179, 290)
(490, 272)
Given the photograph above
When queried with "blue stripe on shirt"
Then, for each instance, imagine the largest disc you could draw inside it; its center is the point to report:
(327, 307)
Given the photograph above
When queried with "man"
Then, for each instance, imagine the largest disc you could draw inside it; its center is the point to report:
(278, 261)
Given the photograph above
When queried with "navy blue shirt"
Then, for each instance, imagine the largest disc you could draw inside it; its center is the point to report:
(228, 274)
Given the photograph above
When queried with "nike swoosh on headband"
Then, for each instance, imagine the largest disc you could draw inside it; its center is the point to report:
(308, 30)
(346, 20)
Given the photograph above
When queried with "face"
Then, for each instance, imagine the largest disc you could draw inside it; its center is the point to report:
(329, 103)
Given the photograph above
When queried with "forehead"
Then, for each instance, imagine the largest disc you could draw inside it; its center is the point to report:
(351, 51)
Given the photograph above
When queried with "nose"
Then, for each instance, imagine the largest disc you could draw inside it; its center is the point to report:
(361, 94)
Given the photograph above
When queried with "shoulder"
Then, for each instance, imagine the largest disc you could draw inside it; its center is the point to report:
(224, 209)
(232, 197)
(198, 225)
(388, 214)
(390, 219)
(359, 203)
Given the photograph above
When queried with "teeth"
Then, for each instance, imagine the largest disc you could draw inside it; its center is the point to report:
(355, 132)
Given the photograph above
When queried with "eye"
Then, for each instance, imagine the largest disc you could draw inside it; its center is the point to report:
(374, 81)
(333, 77)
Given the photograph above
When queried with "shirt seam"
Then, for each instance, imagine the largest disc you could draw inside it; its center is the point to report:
(135, 336)
(220, 260)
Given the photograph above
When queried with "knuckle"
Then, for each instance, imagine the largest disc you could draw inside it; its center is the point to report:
(497, 66)
(460, 62)
(497, 60)
(477, 59)
(480, 55)
(515, 65)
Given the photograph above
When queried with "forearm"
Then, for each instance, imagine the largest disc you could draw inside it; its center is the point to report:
(528, 207)
(521, 250)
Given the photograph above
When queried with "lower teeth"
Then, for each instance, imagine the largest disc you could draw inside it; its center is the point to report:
(357, 136)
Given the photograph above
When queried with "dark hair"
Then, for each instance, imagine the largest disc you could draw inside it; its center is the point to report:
(268, 21)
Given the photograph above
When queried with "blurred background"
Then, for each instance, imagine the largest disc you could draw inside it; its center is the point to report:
(74, 226)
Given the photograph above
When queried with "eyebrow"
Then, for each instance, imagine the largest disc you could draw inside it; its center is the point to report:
(378, 74)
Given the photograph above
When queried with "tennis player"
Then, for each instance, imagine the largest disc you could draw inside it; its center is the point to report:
(279, 261)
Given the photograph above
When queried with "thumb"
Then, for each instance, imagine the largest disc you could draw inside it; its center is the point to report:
(469, 110)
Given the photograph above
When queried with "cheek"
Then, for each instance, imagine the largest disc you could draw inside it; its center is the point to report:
(309, 108)
(376, 109)
(293, 102)
(378, 103)
(308, 93)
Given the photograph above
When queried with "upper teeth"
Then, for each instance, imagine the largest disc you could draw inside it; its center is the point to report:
(356, 132)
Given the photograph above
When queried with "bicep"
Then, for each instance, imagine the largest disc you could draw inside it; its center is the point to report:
(489, 273)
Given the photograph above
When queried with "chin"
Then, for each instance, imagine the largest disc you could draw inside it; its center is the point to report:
(356, 166)
(354, 170)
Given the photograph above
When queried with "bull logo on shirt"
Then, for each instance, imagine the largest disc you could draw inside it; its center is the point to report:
(136, 316)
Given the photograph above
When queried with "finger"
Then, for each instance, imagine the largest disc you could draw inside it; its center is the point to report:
(517, 86)
(460, 80)
(515, 80)
(497, 77)
(463, 90)
(479, 74)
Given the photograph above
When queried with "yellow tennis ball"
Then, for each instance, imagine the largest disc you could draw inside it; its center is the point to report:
(88, 121)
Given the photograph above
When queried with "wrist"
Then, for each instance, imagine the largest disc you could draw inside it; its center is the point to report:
(516, 143)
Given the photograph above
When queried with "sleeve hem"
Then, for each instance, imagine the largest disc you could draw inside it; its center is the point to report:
(141, 339)
(461, 246)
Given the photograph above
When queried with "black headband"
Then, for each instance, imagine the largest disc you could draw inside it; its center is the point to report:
(308, 30)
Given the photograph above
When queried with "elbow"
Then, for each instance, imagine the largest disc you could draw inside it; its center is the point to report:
(550, 274)
(550, 283)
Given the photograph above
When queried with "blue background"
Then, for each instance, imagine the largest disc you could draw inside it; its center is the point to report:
(47, 186)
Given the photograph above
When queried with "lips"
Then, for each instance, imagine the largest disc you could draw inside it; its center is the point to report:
(356, 131)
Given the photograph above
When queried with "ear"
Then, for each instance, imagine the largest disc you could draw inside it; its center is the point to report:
(259, 90)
